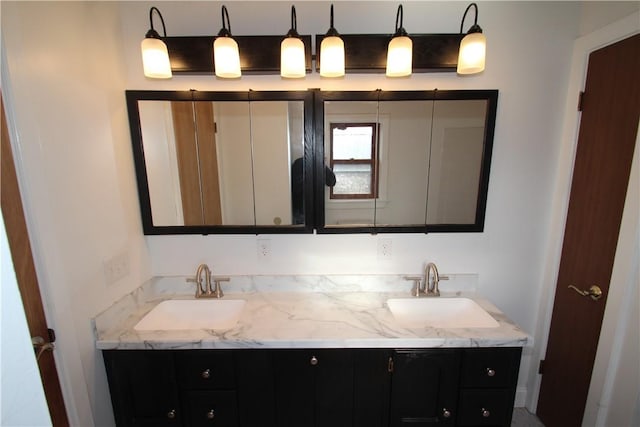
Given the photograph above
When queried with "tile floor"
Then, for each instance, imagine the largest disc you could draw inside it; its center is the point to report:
(524, 418)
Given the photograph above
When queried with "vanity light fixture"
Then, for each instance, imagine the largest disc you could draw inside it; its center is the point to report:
(398, 55)
(332, 53)
(471, 56)
(155, 57)
(400, 50)
(226, 56)
(292, 57)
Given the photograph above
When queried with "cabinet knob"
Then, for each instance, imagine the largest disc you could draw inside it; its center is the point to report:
(446, 413)
(314, 361)
(491, 372)
(206, 374)
(171, 414)
(211, 414)
(486, 413)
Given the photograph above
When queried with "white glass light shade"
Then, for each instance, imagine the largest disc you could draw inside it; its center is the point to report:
(155, 59)
(226, 58)
(292, 58)
(472, 52)
(332, 57)
(399, 57)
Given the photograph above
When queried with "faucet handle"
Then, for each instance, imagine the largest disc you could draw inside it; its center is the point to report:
(216, 292)
(415, 290)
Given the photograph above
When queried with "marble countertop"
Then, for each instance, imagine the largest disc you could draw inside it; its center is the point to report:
(304, 313)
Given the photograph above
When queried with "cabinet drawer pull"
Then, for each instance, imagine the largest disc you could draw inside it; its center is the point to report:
(446, 413)
(206, 374)
(171, 414)
(211, 414)
(491, 372)
(486, 413)
(314, 361)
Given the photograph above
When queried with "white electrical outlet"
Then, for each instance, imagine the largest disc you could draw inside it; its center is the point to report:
(264, 248)
(117, 267)
(385, 249)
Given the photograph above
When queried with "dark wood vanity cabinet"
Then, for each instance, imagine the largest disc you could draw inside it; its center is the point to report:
(313, 388)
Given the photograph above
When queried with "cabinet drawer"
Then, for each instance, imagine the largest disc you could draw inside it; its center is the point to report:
(490, 367)
(484, 408)
(206, 370)
(211, 408)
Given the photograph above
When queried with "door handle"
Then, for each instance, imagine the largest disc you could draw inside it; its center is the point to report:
(40, 346)
(594, 292)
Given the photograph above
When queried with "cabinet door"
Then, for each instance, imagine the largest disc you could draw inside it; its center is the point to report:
(372, 377)
(314, 388)
(211, 408)
(294, 386)
(333, 388)
(143, 388)
(424, 387)
(256, 388)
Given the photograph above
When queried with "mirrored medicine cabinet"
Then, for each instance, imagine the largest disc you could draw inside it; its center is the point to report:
(413, 161)
(223, 162)
(294, 162)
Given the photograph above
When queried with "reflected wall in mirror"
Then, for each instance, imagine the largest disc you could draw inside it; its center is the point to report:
(230, 162)
(404, 161)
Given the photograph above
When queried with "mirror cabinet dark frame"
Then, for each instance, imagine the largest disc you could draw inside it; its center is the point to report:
(491, 96)
(314, 166)
(133, 97)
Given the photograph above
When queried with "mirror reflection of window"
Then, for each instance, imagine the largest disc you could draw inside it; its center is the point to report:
(353, 160)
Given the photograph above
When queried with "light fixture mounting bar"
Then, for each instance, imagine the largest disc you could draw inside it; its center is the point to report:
(258, 54)
(367, 53)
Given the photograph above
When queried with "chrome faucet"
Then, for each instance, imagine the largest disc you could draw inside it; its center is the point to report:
(203, 280)
(431, 280)
(427, 285)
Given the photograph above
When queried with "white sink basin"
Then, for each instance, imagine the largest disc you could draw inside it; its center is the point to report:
(192, 314)
(440, 313)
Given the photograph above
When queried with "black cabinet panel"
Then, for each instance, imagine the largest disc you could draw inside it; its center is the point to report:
(144, 390)
(256, 388)
(205, 369)
(424, 387)
(372, 378)
(211, 408)
(295, 397)
(487, 367)
(333, 388)
(485, 408)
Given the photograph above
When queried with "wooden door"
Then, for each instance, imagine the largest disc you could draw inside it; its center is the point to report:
(196, 153)
(13, 214)
(606, 140)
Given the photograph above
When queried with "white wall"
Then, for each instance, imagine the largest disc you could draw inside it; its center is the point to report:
(532, 81)
(22, 401)
(75, 162)
(72, 147)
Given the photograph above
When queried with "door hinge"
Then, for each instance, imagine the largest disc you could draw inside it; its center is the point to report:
(390, 365)
(541, 367)
(52, 335)
(215, 127)
(580, 100)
